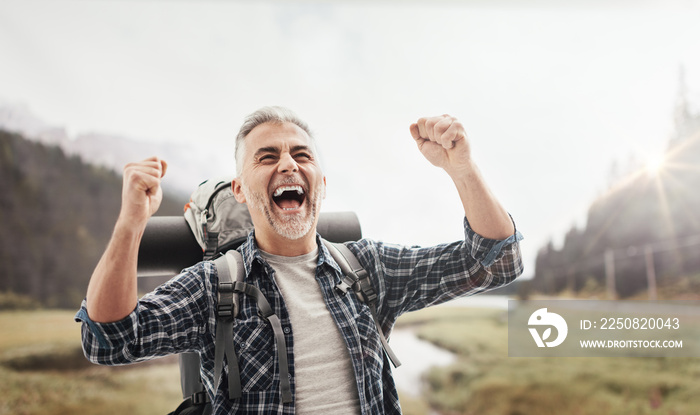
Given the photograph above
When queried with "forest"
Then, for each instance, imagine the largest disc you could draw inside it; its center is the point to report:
(644, 228)
(57, 216)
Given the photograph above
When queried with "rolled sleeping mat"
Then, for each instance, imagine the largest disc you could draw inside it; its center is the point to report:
(168, 245)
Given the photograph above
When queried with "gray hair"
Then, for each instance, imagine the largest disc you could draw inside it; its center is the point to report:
(273, 114)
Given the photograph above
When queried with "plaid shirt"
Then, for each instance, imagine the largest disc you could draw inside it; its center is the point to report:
(179, 316)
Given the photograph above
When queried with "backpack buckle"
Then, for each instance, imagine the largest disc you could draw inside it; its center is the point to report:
(200, 398)
(226, 311)
(342, 288)
(365, 287)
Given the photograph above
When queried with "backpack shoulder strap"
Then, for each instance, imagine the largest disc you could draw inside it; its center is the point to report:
(357, 278)
(226, 311)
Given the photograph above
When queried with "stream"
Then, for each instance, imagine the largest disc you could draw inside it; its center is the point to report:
(418, 356)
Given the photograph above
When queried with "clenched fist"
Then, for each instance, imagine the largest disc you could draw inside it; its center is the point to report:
(443, 141)
(141, 191)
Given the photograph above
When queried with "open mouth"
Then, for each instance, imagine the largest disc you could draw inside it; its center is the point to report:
(289, 197)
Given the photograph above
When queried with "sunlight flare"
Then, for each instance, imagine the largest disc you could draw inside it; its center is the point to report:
(655, 164)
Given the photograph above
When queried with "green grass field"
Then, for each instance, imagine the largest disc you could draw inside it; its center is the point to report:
(42, 371)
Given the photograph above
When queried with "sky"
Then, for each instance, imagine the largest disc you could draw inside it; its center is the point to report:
(551, 93)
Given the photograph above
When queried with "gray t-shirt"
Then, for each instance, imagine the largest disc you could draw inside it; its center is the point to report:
(325, 381)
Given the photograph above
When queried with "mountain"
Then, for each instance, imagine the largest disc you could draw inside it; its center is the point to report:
(189, 164)
(58, 214)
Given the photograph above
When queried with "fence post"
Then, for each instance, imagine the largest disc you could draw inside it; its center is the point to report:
(610, 274)
(651, 272)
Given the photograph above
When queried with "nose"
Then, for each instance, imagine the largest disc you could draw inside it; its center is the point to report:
(287, 164)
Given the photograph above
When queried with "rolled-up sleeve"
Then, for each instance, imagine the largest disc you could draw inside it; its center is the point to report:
(101, 339)
(489, 251)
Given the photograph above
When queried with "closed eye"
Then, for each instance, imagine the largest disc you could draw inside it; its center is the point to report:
(266, 157)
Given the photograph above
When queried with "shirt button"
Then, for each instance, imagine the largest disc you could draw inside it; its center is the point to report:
(287, 330)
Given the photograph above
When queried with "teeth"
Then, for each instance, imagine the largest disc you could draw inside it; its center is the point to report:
(282, 189)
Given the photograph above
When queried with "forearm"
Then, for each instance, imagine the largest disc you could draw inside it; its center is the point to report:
(485, 214)
(112, 292)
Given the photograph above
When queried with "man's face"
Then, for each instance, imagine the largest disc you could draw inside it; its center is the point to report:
(281, 180)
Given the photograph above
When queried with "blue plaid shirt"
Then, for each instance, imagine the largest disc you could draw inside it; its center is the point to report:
(179, 316)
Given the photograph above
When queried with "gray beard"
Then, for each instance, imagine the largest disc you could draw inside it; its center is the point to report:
(291, 227)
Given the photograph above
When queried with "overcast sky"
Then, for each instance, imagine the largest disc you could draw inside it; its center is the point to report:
(551, 95)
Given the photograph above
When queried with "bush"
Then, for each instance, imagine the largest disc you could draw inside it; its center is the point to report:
(13, 301)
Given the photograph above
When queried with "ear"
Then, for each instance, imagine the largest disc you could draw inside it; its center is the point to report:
(324, 187)
(237, 189)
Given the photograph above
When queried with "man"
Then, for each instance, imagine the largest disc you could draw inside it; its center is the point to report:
(336, 362)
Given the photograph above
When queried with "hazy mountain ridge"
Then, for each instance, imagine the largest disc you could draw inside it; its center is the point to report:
(645, 225)
(189, 163)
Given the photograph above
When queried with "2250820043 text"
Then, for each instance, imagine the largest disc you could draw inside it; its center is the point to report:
(627, 323)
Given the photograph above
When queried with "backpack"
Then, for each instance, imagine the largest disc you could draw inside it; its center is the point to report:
(219, 225)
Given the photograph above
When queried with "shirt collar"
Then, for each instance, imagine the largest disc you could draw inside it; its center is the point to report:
(251, 254)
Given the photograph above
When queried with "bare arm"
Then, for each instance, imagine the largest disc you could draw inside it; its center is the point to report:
(443, 141)
(112, 293)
